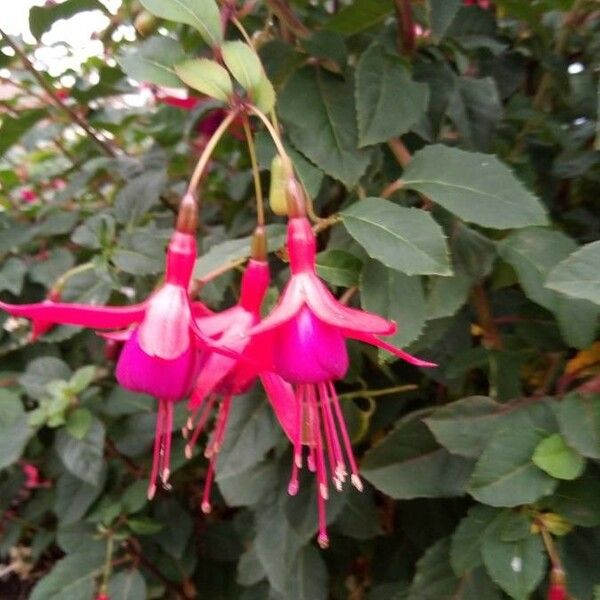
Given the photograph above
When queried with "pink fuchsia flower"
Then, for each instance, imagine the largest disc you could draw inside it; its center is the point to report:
(162, 344)
(38, 326)
(28, 195)
(222, 377)
(310, 328)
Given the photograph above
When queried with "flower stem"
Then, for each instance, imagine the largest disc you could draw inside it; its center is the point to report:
(376, 393)
(208, 150)
(260, 211)
(243, 31)
(106, 572)
(287, 163)
(60, 283)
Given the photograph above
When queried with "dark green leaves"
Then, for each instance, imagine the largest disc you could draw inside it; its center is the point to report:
(405, 239)
(476, 187)
(388, 101)
(579, 274)
(579, 421)
(14, 429)
(314, 100)
(203, 15)
(13, 128)
(408, 463)
(154, 61)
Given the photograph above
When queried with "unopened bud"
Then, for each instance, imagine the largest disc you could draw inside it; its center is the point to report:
(259, 244)
(187, 217)
(277, 193)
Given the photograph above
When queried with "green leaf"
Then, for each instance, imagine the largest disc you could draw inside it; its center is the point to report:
(127, 585)
(408, 463)
(476, 187)
(359, 518)
(232, 250)
(13, 128)
(360, 15)
(203, 15)
(505, 474)
(74, 497)
(556, 458)
(79, 422)
(82, 379)
(154, 60)
(206, 76)
(578, 501)
(465, 549)
(46, 272)
(12, 275)
(447, 295)
(139, 195)
(41, 18)
(388, 101)
(434, 579)
(396, 297)
(144, 525)
(517, 567)
(405, 239)
(83, 458)
(14, 428)
(533, 252)
(72, 578)
(464, 427)
(309, 577)
(579, 422)
(577, 275)
(244, 64)
(441, 14)
(316, 101)
(42, 371)
(338, 267)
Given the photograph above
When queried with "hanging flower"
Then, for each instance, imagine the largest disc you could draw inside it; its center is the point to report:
(310, 328)
(162, 345)
(222, 377)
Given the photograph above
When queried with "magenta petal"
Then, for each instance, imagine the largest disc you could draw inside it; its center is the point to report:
(214, 325)
(94, 317)
(167, 379)
(307, 350)
(214, 370)
(200, 310)
(165, 330)
(375, 341)
(281, 396)
(330, 310)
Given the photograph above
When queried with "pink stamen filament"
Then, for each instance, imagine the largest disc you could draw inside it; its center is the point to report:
(167, 427)
(204, 411)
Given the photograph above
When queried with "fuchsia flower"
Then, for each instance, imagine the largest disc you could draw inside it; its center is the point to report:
(222, 377)
(163, 346)
(310, 328)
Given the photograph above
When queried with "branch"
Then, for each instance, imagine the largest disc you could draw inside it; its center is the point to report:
(287, 16)
(73, 116)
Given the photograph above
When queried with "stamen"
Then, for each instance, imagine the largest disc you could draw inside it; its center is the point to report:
(157, 451)
(206, 505)
(320, 455)
(205, 413)
(348, 445)
(167, 434)
(328, 434)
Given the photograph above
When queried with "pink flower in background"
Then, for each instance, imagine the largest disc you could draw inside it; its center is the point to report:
(222, 377)
(28, 195)
(310, 328)
(162, 344)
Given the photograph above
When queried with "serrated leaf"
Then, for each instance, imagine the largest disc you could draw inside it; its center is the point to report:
(465, 548)
(206, 76)
(309, 578)
(72, 578)
(553, 456)
(388, 101)
(441, 14)
(405, 239)
(517, 567)
(83, 457)
(12, 128)
(465, 426)
(505, 474)
(360, 15)
(533, 252)
(579, 422)
(127, 585)
(396, 297)
(139, 195)
(579, 274)
(476, 187)
(408, 463)
(359, 518)
(74, 497)
(14, 428)
(12, 275)
(42, 371)
(316, 101)
(447, 295)
(243, 63)
(203, 15)
(79, 422)
(154, 60)
(339, 267)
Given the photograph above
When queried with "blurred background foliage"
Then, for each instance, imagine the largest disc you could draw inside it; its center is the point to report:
(482, 475)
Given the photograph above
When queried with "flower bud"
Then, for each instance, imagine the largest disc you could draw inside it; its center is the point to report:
(277, 193)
